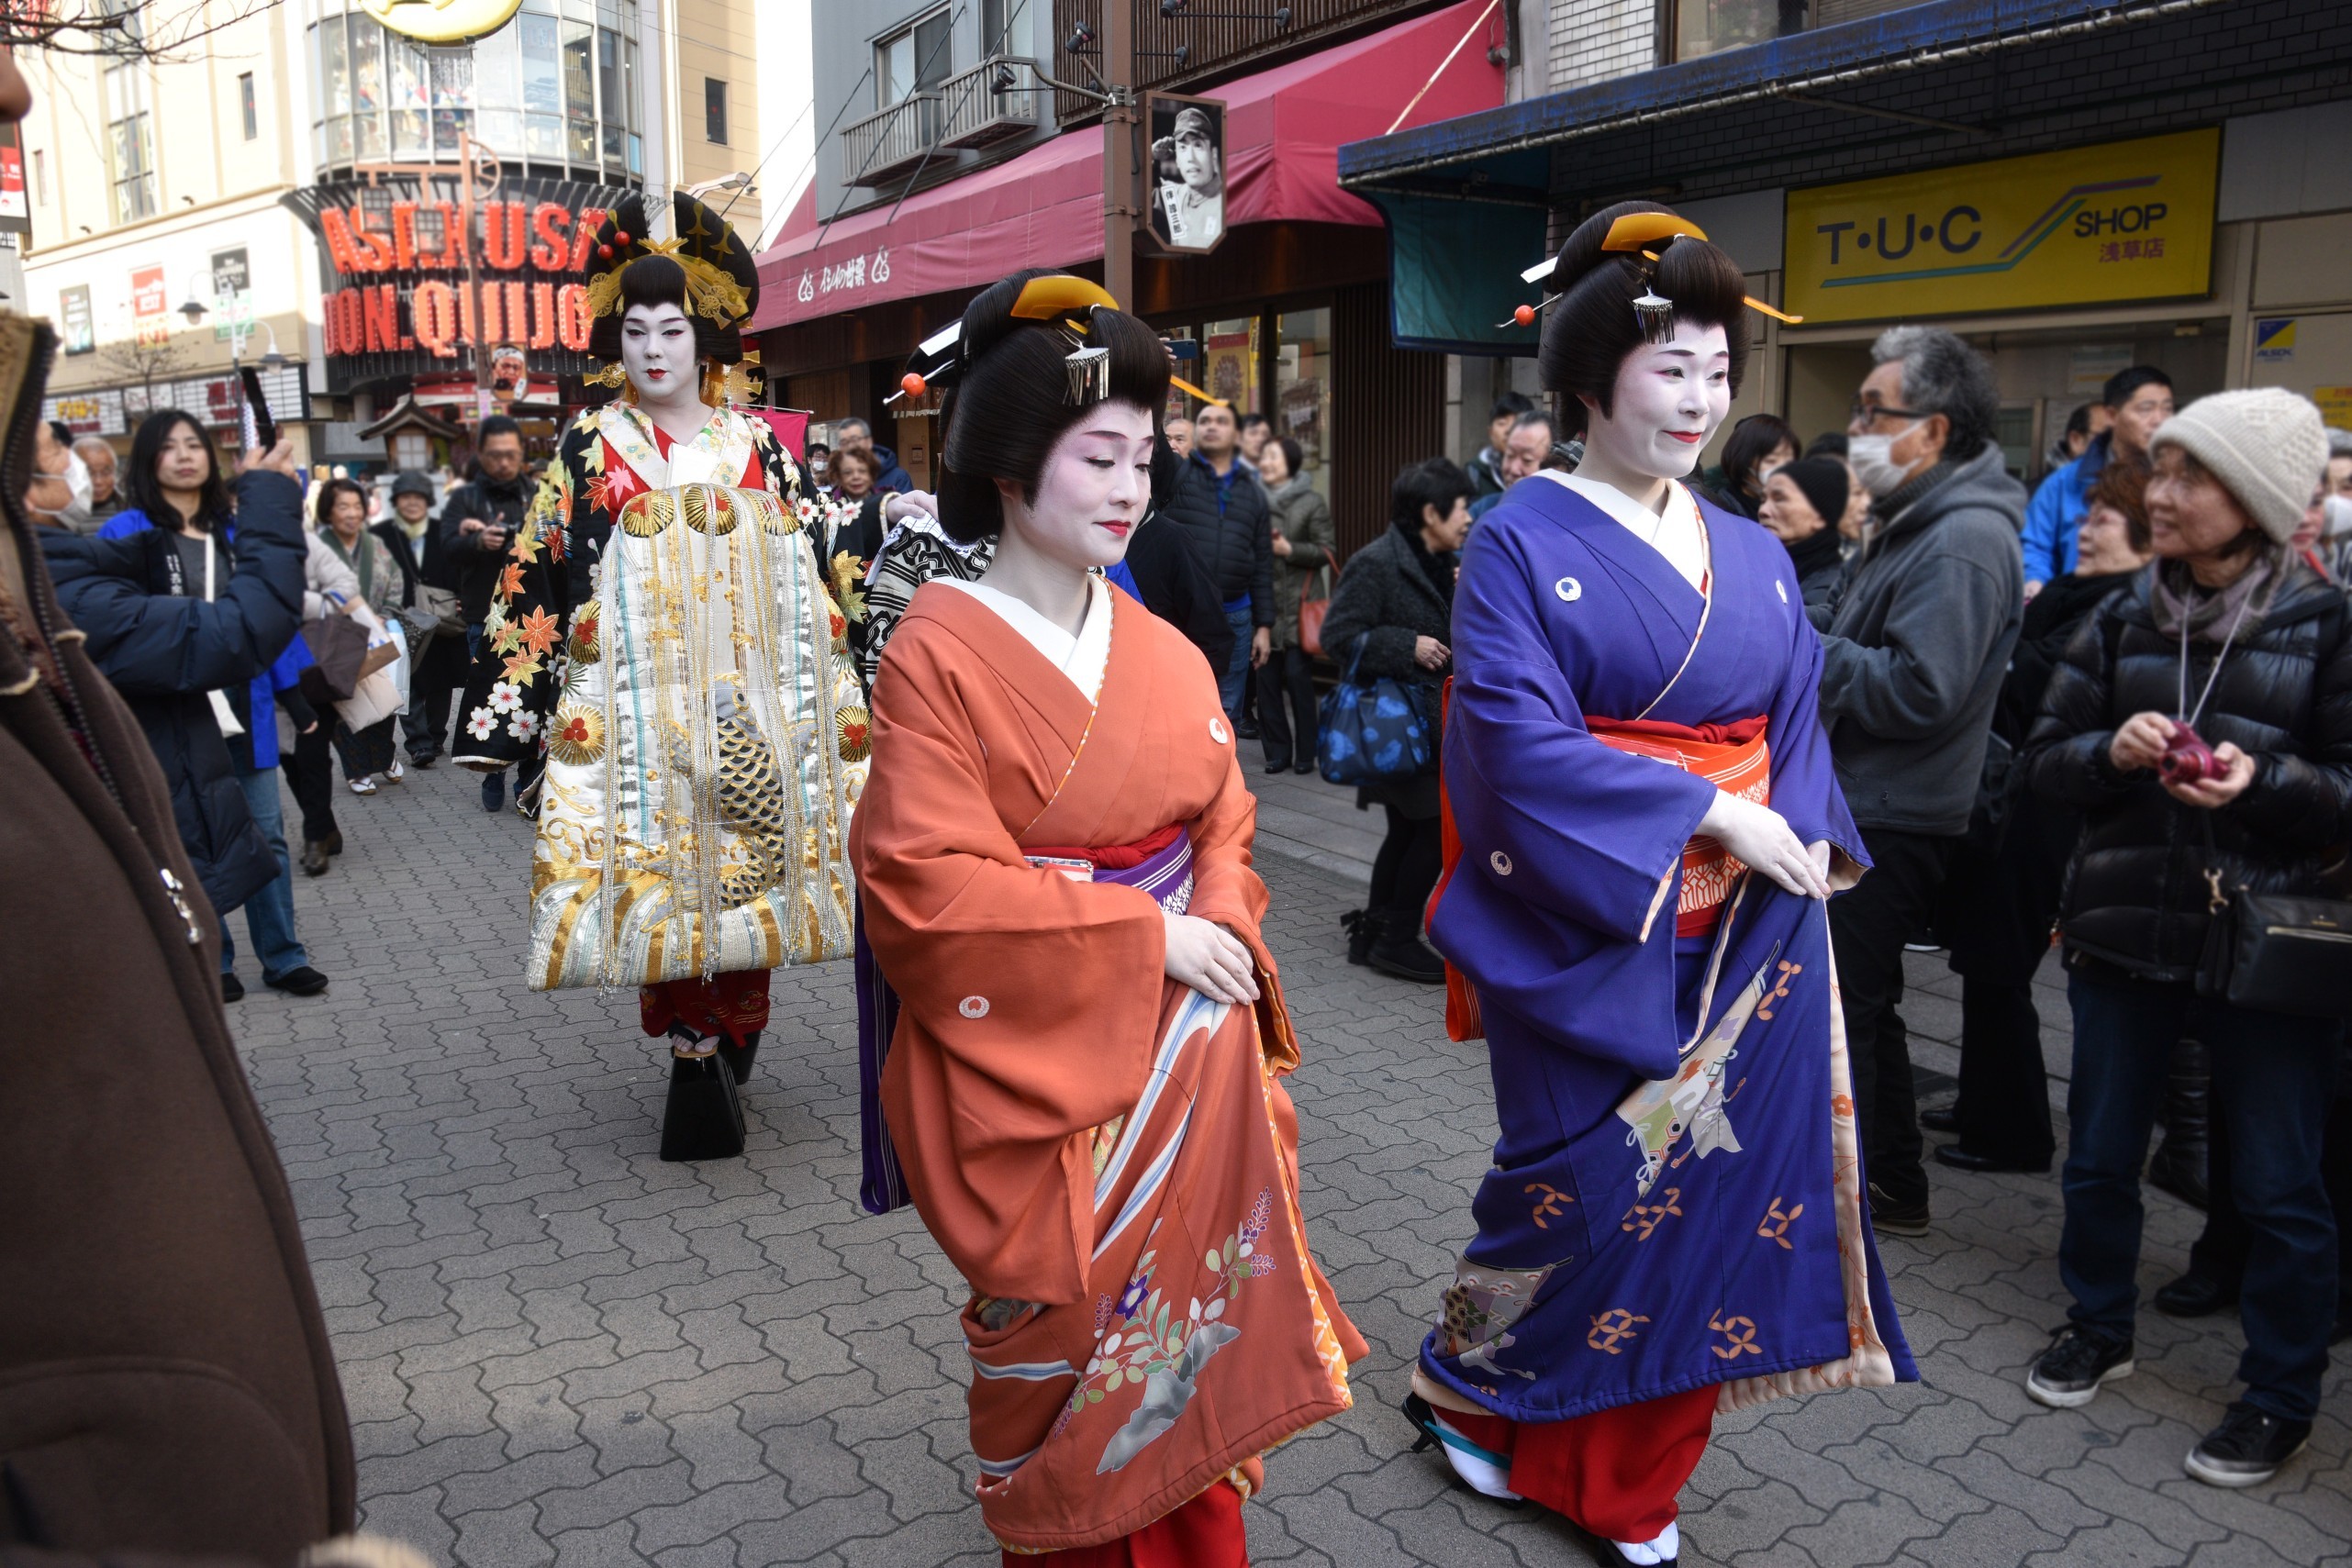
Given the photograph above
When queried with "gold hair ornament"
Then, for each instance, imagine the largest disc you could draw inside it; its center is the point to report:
(710, 292)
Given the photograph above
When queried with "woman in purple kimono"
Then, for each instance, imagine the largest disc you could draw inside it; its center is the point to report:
(1646, 825)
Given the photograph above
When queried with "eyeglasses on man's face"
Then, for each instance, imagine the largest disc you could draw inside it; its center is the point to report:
(1867, 413)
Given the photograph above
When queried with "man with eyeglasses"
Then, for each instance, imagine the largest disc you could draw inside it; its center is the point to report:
(2137, 401)
(1913, 659)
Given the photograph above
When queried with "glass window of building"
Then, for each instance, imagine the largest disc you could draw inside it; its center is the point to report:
(913, 59)
(556, 85)
(1697, 28)
(130, 143)
(249, 115)
(714, 110)
(1302, 388)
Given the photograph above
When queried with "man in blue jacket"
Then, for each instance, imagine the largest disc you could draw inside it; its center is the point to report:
(2138, 399)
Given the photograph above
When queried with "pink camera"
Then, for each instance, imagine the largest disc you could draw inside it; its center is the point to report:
(2187, 759)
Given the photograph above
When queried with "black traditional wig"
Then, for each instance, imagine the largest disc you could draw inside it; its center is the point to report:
(705, 271)
(1594, 326)
(1013, 395)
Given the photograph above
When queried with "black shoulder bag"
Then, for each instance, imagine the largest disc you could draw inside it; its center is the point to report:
(2274, 952)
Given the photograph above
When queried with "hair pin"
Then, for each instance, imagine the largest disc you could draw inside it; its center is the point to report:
(1656, 314)
(1090, 376)
(1526, 314)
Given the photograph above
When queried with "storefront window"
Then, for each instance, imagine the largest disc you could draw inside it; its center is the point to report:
(1302, 388)
(1697, 28)
(1229, 366)
(546, 88)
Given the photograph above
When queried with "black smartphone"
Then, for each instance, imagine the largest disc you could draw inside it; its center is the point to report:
(261, 430)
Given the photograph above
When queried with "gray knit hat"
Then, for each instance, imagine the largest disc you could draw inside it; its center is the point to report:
(2267, 447)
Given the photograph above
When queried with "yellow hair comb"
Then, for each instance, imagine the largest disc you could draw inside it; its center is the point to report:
(1636, 229)
(1041, 299)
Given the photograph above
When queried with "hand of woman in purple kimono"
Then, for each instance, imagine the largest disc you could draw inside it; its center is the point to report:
(1211, 959)
(1761, 838)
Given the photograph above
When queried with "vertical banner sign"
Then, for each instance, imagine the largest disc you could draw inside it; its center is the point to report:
(16, 211)
(79, 329)
(2089, 225)
(151, 307)
(232, 292)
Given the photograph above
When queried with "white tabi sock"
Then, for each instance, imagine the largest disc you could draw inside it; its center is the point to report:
(1665, 1548)
(1483, 1471)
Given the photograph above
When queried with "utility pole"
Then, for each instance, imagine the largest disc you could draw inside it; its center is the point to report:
(482, 400)
(1119, 120)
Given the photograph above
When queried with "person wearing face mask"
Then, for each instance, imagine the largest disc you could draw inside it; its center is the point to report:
(1053, 864)
(1911, 672)
(820, 467)
(1647, 823)
(708, 736)
(437, 646)
(53, 455)
(2136, 401)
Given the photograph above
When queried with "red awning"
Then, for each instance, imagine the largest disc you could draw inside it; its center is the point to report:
(1283, 131)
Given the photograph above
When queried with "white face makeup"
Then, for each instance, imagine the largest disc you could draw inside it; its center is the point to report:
(1670, 399)
(657, 352)
(1095, 489)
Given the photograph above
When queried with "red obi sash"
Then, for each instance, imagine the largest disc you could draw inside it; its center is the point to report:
(1733, 757)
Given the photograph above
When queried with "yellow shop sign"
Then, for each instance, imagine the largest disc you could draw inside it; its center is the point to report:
(2129, 220)
(442, 21)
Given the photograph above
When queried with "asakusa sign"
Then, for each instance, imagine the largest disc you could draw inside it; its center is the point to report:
(397, 300)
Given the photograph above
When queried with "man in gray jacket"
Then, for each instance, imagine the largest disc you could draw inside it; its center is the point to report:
(1913, 656)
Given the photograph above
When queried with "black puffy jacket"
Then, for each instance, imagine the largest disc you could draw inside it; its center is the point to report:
(163, 653)
(2136, 895)
(1234, 542)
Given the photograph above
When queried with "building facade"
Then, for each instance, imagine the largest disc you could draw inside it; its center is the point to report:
(384, 224)
(2075, 185)
(960, 153)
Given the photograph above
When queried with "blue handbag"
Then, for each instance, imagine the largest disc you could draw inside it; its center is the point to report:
(1374, 731)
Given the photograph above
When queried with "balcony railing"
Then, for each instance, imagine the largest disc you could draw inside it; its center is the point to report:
(1226, 36)
(891, 143)
(994, 101)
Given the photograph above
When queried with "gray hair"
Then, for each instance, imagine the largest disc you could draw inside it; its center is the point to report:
(2339, 442)
(87, 444)
(1944, 375)
(1535, 417)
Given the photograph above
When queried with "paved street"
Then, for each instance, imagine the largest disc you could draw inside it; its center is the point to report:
(558, 1350)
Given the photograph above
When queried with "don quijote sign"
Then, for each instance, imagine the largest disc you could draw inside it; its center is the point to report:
(397, 301)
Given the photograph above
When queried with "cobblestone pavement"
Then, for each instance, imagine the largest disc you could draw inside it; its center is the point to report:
(559, 1350)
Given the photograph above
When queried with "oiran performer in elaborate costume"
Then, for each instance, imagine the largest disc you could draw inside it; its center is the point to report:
(1085, 1080)
(708, 739)
(1646, 825)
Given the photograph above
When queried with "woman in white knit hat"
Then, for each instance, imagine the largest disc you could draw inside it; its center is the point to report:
(2232, 653)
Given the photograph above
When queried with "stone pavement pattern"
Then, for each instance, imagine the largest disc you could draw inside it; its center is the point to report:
(560, 1350)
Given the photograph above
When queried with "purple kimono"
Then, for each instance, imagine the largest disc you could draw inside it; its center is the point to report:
(1676, 1199)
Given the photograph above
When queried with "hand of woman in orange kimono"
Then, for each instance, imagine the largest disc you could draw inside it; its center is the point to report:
(1210, 960)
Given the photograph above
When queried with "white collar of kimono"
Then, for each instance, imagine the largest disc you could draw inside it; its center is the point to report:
(1083, 658)
(1675, 533)
(715, 456)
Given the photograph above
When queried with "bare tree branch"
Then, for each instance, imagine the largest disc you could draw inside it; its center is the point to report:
(122, 30)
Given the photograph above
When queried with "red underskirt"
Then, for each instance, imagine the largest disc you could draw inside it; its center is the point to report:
(1205, 1533)
(734, 1005)
(1615, 1471)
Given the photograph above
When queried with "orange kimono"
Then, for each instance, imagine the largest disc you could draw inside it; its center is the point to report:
(1107, 1156)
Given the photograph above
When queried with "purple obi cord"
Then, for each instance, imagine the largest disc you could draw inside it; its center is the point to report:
(1166, 876)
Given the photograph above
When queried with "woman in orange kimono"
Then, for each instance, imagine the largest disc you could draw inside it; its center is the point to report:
(1084, 1081)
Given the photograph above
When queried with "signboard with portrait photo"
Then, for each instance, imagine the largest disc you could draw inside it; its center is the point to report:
(1188, 172)
(77, 325)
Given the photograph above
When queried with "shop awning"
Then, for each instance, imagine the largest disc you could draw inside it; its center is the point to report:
(1284, 128)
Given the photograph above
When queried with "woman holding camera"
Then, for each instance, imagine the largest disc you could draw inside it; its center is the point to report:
(2201, 721)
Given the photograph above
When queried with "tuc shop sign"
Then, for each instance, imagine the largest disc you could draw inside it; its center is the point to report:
(2129, 220)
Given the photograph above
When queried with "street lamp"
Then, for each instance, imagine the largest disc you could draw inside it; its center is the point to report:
(738, 180)
(241, 333)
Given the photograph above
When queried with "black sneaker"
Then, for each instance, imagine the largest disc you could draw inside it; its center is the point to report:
(2247, 1448)
(2068, 1373)
(1892, 1217)
(2196, 1294)
(302, 982)
(231, 988)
